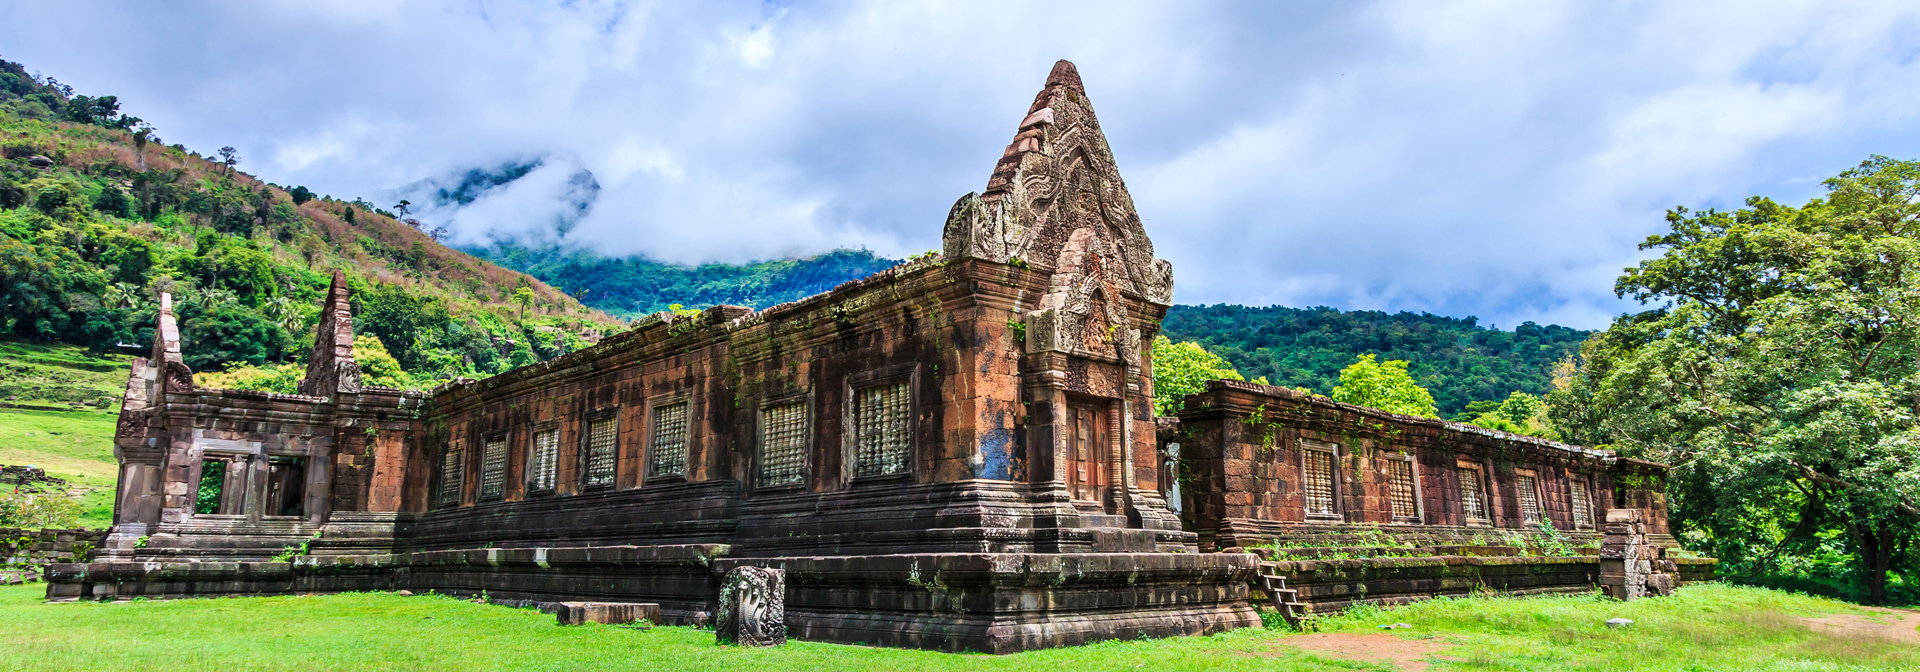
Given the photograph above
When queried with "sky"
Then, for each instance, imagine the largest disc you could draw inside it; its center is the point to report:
(1493, 159)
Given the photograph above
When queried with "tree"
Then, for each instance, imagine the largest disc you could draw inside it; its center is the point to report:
(301, 194)
(230, 333)
(401, 208)
(1384, 385)
(230, 157)
(524, 297)
(1776, 372)
(1520, 413)
(1180, 369)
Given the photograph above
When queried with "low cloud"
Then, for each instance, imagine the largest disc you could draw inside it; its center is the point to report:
(1498, 159)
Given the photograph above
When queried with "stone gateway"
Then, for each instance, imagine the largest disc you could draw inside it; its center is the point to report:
(958, 453)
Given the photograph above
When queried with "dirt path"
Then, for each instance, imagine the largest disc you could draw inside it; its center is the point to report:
(1406, 654)
(1892, 624)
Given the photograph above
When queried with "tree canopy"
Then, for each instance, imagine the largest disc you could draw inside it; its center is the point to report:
(1180, 369)
(1384, 385)
(1779, 371)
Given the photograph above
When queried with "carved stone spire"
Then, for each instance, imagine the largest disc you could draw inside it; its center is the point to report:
(175, 375)
(1056, 201)
(332, 368)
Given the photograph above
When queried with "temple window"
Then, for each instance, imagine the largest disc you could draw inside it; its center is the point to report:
(669, 448)
(493, 468)
(453, 474)
(286, 486)
(602, 444)
(543, 463)
(783, 445)
(1317, 477)
(1582, 503)
(210, 497)
(1402, 494)
(881, 445)
(1527, 489)
(1473, 500)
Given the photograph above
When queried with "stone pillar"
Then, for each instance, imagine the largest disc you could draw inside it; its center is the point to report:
(753, 607)
(1630, 568)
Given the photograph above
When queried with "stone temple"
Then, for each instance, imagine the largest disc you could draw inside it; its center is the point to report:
(958, 453)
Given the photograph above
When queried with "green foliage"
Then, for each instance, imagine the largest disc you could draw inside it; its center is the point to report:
(212, 481)
(1383, 385)
(1776, 372)
(229, 333)
(1457, 360)
(1520, 413)
(39, 510)
(635, 286)
(1180, 369)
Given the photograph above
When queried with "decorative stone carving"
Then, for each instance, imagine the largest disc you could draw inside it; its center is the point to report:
(753, 607)
(1056, 187)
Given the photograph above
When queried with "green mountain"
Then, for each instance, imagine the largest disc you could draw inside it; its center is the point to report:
(632, 286)
(1456, 359)
(98, 217)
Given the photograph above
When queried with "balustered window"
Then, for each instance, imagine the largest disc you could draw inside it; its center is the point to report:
(453, 474)
(1473, 499)
(1527, 489)
(493, 468)
(783, 445)
(1401, 493)
(881, 430)
(669, 448)
(543, 461)
(603, 443)
(1318, 475)
(1582, 504)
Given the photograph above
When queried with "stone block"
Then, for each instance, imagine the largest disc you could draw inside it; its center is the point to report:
(606, 613)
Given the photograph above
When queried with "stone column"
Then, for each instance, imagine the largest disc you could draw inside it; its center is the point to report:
(753, 607)
(1630, 568)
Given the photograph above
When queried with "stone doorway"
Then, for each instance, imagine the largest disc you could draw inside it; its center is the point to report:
(1088, 452)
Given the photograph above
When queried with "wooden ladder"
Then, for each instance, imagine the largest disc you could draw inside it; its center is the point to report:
(1279, 596)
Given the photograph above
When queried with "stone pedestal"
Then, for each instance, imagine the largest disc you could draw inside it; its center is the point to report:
(1630, 568)
(753, 607)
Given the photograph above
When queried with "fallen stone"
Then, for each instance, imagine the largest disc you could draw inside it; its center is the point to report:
(1619, 622)
(606, 613)
(405, 593)
(1395, 626)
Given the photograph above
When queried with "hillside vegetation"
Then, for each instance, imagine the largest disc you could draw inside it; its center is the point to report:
(1456, 359)
(98, 217)
(630, 286)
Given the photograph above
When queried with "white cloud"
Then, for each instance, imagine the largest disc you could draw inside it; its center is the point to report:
(1491, 158)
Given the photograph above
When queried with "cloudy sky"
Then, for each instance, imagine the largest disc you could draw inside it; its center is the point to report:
(1496, 159)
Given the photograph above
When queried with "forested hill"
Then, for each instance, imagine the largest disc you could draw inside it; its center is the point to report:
(98, 217)
(631, 286)
(1456, 359)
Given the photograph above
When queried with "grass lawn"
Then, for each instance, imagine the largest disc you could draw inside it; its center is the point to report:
(76, 445)
(1705, 627)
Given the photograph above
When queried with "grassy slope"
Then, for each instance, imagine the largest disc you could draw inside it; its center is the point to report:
(1704, 627)
(76, 445)
(373, 247)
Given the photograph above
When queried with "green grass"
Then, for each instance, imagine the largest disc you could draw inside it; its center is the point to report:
(76, 445)
(1705, 627)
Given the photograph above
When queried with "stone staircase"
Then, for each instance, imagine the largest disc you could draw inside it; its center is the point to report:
(1279, 596)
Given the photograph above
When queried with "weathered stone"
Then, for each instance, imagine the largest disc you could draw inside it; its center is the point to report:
(753, 608)
(606, 613)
